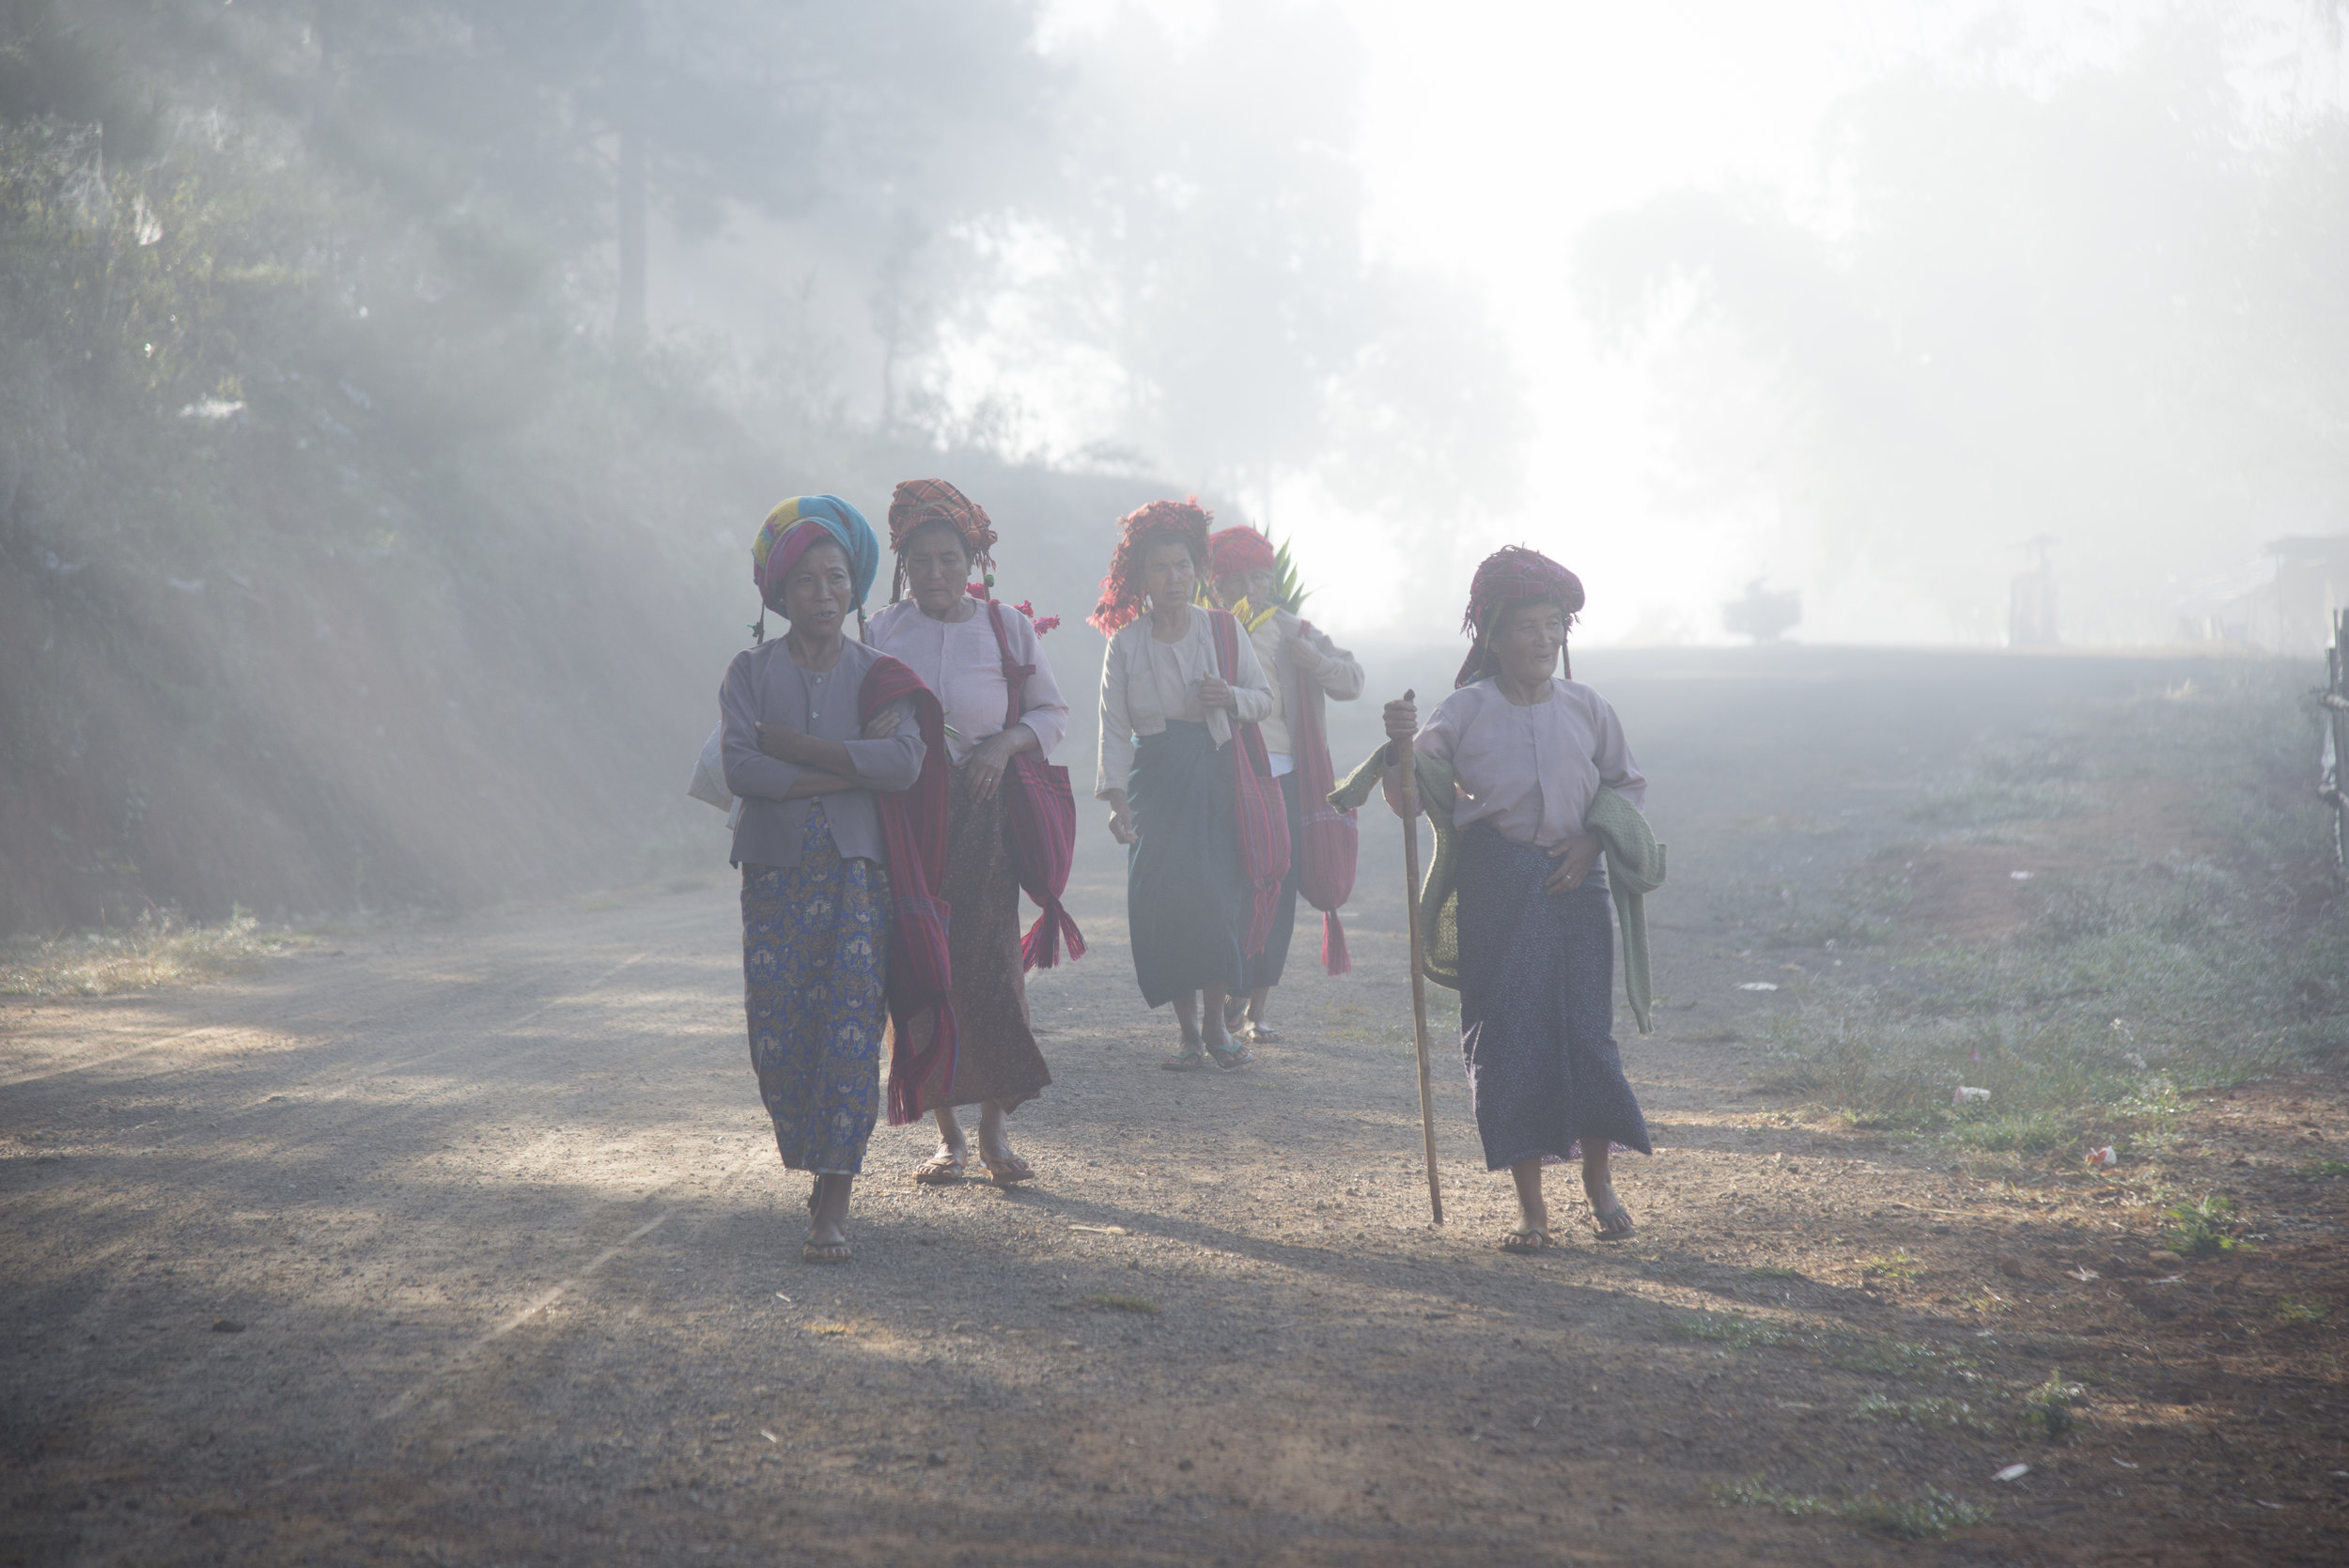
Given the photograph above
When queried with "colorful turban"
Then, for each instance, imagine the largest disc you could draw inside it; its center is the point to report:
(1122, 591)
(919, 502)
(1511, 575)
(783, 540)
(1232, 550)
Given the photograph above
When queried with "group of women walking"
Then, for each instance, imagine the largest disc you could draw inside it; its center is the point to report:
(895, 797)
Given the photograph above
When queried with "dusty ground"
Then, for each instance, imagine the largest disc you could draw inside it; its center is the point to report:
(466, 1243)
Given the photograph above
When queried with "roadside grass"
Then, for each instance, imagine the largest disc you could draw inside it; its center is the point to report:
(1934, 1411)
(1876, 1356)
(1730, 1329)
(2128, 987)
(1897, 1267)
(1981, 803)
(1931, 1516)
(2049, 1407)
(160, 949)
(2206, 1226)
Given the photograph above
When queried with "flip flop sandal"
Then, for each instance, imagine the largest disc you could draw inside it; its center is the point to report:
(831, 1251)
(1526, 1241)
(1615, 1224)
(1230, 1060)
(1262, 1034)
(1008, 1173)
(1186, 1062)
(941, 1169)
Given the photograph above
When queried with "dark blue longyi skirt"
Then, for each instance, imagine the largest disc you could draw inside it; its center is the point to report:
(1537, 1008)
(1187, 899)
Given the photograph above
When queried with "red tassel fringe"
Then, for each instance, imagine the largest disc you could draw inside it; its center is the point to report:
(1040, 948)
(1333, 955)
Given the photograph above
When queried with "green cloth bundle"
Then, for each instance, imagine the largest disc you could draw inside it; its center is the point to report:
(1634, 868)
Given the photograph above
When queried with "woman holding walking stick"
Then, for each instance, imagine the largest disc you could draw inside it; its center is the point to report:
(1181, 695)
(1530, 750)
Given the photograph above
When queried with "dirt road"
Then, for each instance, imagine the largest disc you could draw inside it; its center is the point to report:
(466, 1243)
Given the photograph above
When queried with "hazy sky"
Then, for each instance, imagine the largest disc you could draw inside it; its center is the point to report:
(1491, 133)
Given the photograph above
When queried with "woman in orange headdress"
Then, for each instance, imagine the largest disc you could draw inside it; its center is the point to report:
(1180, 697)
(970, 650)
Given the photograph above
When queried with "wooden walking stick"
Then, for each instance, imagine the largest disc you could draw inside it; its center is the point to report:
(1406, 766)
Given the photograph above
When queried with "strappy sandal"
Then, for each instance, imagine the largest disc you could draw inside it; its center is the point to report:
(1615, 1224)
(1524, 1242)
(1009, 1172)
(941, 1168)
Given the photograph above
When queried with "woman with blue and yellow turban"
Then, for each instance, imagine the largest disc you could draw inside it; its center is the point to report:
(834, 749)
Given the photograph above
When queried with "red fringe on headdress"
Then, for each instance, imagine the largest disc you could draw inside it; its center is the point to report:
(1121, 589)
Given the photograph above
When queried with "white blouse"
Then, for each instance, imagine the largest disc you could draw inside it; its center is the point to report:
(959, 661)
(1532, 772)
(1146, 682)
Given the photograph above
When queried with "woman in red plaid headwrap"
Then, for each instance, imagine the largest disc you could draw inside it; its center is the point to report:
(1530, 750)
(982, 659)
(1186, 779)
(1306, 671)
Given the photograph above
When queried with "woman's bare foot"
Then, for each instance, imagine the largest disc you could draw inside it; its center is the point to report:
(828, 1216)
(1532, 1208)
(1201, 1032)
(995, 1148)
(1599, 1185)
(1222, 1049)
(953, 1153)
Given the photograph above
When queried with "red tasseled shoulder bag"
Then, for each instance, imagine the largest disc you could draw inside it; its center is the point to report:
(1330, 838)
(914, 834)
(1263, 815)
(1041, 813)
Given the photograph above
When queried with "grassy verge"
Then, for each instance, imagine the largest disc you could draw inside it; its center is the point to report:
(2188, 943)
(159, 950)
(1931, 1516)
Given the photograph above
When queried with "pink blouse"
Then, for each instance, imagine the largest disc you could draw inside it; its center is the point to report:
(1532, 772)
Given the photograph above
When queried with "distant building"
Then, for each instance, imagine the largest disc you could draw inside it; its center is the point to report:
(2312, 581)
(2030, 606)
(2285, 605)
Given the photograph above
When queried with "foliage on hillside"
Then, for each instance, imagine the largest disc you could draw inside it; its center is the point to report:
(338, 565)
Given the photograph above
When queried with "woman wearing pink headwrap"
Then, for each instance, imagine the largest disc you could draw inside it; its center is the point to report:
(1530, 750)
(1306, 671)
